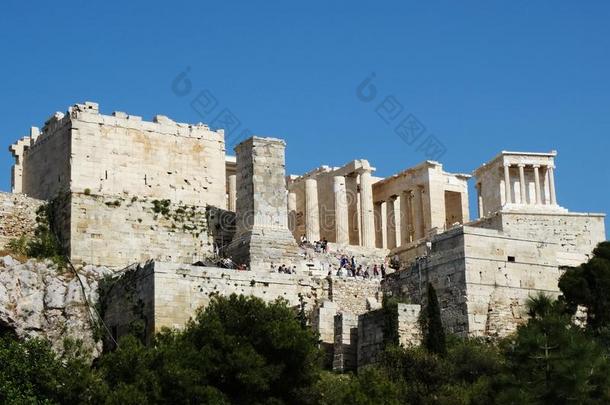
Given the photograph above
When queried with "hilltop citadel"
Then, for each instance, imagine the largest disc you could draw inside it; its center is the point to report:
(165, 200)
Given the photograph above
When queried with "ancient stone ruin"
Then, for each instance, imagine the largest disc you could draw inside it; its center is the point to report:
(165, 199)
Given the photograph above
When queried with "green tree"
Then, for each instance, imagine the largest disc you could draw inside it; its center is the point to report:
(550, 360)
(31, 373)
(432, 326)
(237, 350)
(589, 285)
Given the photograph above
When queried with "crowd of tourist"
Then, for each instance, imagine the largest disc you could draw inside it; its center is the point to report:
(284, 269)
(349, 268)
(319, 246)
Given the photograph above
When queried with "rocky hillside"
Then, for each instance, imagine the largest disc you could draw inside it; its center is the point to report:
(38, 300)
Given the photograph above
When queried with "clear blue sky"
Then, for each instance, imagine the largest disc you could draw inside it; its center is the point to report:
(480, 77)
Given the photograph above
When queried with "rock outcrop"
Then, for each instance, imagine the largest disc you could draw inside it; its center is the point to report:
(38, 300)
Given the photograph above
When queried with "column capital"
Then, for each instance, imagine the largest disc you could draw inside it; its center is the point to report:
(363, 170)
(521, 165)
(506, 164)
(550, 166)
(536, 166)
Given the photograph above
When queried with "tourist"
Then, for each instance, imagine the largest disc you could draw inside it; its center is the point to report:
(375, 271)
(383, 273)
(324, 245)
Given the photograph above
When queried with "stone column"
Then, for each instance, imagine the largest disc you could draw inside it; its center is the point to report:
(341, 212)
(312, 214)
(232, 192)
(551, 170)
(507, 193)
(398, 217)
(262, 236)
(351, 185)
(417, 214)
(366, 209)
(380, 240)
(422, 211)
(391, 222)
(405, 220)
(522, 189)
(292, 212)
(537, 181)
(480, 200)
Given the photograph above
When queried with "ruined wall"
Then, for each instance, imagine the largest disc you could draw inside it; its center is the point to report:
(371, 327)
(46, 162)
(501, 273)
(444, 267)
(17, 216)
(576, 233)
(171, 293)
(120, 230)
(121, 154)
(351, 295)
(128, 305)
(345, 347)
(482, 277)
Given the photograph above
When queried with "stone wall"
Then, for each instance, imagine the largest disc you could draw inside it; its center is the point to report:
(171, 293)
(121, 154)
(46, 162)
(371, 326)
(128, 306)
(120, 230)
(345, 346)
(17, 216)
(575, 234)
(483, 276)
(353, 295)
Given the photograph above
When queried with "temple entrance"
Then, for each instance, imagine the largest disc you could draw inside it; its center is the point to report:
(453, 209)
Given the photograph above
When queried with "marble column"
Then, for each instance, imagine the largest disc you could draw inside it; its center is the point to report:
(380, 240)
(422, 210)
(507, 192)
(522, 188)
(341, 212)
(312, 215)
(551, 170)
(418, 214)
(232, 193)
(391, 222)
(537, 181)
(405, 218)
(480, 200)
(351, 184)
(292, 212)
(366, 209)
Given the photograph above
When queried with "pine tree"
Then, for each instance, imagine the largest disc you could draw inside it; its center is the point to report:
(588, 285)
(434, 334)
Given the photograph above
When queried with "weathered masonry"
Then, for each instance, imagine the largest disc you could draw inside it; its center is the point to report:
(485, 270)
(129, 189)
